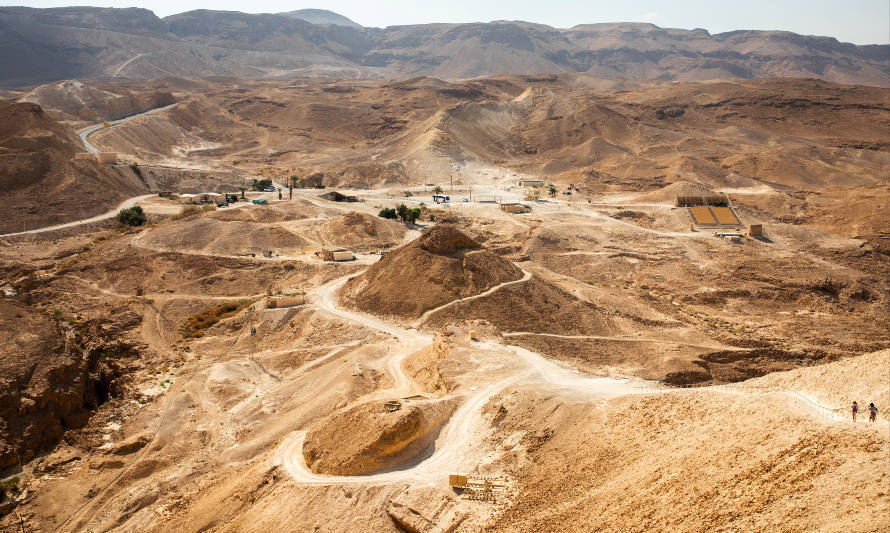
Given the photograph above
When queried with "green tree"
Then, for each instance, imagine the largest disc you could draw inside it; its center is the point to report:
(437, 190)
(388, 212)
(402, 211)
(132, 216)
(259, 185)
(552, 190)
(412, 215)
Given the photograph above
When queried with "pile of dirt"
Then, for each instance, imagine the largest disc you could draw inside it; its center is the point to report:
(40, 181)
(358, 230)
(424, 366)
(442, 265)
(368, 438)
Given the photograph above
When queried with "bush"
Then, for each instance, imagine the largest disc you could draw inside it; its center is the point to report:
(132, 216)
(260, 185)
(195, 324)
(408, 215)
(388, 212)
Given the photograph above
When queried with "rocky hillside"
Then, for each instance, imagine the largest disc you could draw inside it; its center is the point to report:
(43, 45)
(41, 183)
(47, 384)
(73, 100)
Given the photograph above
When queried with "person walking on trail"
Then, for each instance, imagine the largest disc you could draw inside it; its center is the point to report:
(872, 412)
(279, 194)
(855, 409)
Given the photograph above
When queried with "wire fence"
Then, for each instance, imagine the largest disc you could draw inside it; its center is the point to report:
(834, 413)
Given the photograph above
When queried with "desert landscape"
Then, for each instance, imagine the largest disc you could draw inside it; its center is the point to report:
(352, 294)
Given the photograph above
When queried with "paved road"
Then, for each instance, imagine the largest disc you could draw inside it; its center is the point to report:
(84, 133)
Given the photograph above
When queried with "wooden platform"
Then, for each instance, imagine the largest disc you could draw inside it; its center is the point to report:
(725, 216)
(702, 215)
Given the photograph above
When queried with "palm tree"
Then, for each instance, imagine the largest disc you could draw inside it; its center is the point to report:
(437, 190)
(293, 183)
(552, 190)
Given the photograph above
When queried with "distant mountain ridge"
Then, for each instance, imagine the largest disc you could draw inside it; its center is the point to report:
(321, 16)
(42, 45)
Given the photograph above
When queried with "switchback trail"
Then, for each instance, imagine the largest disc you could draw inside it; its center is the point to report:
(525, 277)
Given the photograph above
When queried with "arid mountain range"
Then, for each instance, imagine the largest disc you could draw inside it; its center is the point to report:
(42, 45)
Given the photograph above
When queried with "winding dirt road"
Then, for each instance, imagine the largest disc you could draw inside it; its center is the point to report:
(454, 448)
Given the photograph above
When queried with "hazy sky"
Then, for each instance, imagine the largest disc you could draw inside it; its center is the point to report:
(855, 21)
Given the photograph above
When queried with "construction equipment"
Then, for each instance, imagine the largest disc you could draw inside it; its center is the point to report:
(478, 488)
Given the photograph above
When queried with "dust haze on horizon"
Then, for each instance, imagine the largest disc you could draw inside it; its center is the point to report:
(858, 21)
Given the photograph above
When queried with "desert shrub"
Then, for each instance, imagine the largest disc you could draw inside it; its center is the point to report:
(195, 325)
(388, 212)
(132, 216)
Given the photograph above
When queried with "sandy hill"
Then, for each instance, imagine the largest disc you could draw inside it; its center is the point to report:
(359, 231)
(225, 237)
(79, 41)
(441, 266)
(669, 193)
(41, 183)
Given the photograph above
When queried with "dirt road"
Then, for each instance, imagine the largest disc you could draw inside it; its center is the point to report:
(104, 216)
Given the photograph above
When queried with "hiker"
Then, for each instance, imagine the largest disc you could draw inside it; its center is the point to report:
(872, 412)
(855, 409)
(279, 194)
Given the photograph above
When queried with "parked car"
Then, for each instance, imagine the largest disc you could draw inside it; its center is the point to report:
(231, 198)
(261, 201)
(270, 189)
(222, 204)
